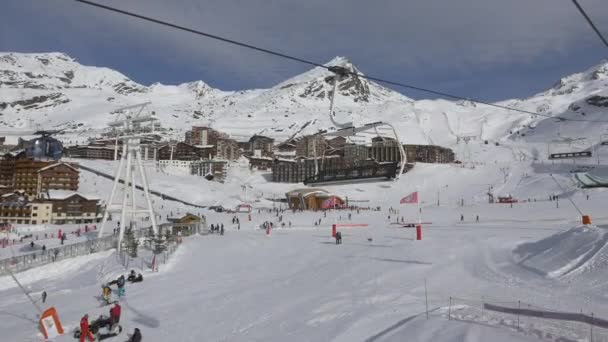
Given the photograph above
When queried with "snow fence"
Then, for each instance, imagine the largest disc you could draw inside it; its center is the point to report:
(529, 320)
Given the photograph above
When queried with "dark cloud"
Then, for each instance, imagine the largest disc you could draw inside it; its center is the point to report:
(448, 42)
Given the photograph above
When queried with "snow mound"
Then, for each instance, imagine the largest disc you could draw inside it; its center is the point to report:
(576, 249)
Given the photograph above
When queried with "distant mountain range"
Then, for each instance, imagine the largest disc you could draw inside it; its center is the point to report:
(55, 91)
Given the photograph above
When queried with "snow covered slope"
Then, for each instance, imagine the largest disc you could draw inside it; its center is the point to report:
(53, 90)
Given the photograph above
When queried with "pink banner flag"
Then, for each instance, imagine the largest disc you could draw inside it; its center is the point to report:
(411, 198)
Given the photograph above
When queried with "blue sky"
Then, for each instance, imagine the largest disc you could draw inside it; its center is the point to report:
(488, 49)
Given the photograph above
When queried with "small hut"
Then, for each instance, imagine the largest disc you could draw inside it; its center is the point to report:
(313, 199)
(188, 224)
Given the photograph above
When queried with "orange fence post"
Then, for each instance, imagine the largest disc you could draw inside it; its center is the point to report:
(334, 229)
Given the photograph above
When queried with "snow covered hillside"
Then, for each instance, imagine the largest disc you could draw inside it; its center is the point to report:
(55, 91)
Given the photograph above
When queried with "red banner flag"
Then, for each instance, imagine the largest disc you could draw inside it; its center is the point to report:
(411, 198)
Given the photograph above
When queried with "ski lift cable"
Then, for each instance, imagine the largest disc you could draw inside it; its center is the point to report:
(330, 68)
(584, 14)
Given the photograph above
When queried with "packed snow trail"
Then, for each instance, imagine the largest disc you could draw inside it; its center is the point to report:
(298, 285)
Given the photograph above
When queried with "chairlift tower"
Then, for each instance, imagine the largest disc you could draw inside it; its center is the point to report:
(130, 129)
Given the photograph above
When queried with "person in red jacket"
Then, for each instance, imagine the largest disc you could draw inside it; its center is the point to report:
(115, 313)
(84, 329)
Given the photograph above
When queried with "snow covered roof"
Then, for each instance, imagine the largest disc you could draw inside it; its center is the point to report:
(16, 152)
(93, 147)
(17, 192)
(204, 146)
(57, 164)
(306, 192)
(65, 194)
(259, 158)
(286, 153)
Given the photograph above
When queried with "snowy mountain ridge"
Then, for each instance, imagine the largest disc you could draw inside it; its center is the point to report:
(55, 91)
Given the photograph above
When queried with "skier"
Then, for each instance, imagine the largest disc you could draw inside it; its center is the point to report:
(222, 229)
(106, 294)
(136, 337)
(43, 296)
(121, 285)
(212, 228)
(477, 218)
(338, 238)
(84, 329)
(115, 314)
(461, 217)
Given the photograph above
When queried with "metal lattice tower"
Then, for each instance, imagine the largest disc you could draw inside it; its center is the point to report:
(131, 128)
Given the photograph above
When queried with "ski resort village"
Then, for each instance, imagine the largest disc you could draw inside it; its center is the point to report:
(327, 205)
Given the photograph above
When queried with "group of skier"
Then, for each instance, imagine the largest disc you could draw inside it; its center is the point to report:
(218, 228)
(111, 323)
(91, 330)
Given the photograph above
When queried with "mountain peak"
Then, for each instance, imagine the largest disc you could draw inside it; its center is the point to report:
(339, 61)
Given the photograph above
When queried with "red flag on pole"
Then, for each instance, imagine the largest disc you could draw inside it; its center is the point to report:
(411, 198)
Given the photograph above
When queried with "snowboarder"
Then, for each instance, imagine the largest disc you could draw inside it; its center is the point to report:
(115, 314)
(338, 238)
(136, 337)
(84, 329)
(43, 296)
(132, 275)
(120, 282)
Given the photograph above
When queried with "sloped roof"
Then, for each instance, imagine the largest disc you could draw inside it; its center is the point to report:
(306, 192)
(57, 164)
(65, 194)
